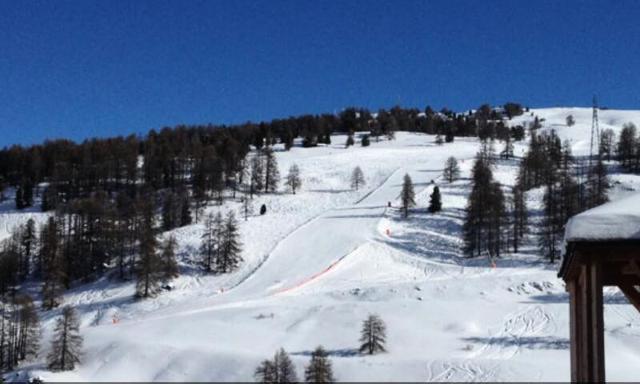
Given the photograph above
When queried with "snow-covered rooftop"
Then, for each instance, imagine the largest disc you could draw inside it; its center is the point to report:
(617, 220)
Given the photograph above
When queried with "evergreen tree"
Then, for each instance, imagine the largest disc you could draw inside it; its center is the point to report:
(293, 178)
(598, 184)
(266, 372)
(551, 224)
(507, 152)
(19, 331)
(570, 120)
(247, 208)
(20, 203)
(319, 369)
(357, 178)
(148, 268)
(365, 141)
(28, 243)
(285, 370)
(519, 213)
(28, 336)
(435, 202)
(185, 213)
(449, 134)
(483, 229)
(607, 138)
(627, 145)
(230, 254)
(53, 273)
(373, 335)
(439, 139)
(170, 212)
(349, 142)
(211, 240)
(168, 256)
(67, 342)
(272, 175)
(451, 170)
(407, 195)
(257, 176)
(278, 370)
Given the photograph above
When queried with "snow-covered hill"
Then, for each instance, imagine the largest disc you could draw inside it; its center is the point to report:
(320, 261)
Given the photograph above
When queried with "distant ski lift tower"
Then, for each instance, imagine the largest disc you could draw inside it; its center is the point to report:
(595, 133)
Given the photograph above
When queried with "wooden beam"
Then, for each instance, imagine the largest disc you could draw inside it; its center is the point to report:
(632, 294)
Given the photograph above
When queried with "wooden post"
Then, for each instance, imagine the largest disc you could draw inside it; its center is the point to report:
(597, 325)
(572, 287)
(587, 324)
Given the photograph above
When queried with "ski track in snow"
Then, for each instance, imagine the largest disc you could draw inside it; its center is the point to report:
(460, 371)
(529, 322)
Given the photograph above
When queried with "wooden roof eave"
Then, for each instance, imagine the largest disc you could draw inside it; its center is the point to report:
(609, 251)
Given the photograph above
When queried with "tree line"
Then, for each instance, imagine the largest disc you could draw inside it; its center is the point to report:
(497, 217)
(208, 158)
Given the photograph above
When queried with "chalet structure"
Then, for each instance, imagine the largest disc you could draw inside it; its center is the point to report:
(602, 248)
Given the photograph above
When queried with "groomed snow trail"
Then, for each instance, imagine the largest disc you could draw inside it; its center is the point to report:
(317, 247)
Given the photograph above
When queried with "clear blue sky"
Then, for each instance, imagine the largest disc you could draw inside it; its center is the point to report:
(99, 68)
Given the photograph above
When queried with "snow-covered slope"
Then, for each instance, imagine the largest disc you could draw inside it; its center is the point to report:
(320, 261)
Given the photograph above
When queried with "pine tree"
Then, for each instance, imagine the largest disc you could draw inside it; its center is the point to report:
(230, 254)
(247, 208)
(570, 120)
(357, 178)
(168, 256)
(349, 142)
(319, 369)
(373, 335)
(483, 229)
(211, 240)
(407, 195)
(20, 203)
(185, 213)
(627, 145)
(170, 212)
(29, 328)
(435, 202)
(365, 141)
(606, 143)
(451, 170)
(28, 244)
(507, 152)
(67, 342)
(257, 176)
(519, 214)
(293, 178)
(148, 268)
(272, 175)
(266, 372)
(550, 233)
(278, 370)
(598, 184)
(285, 370)
(52, 267)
